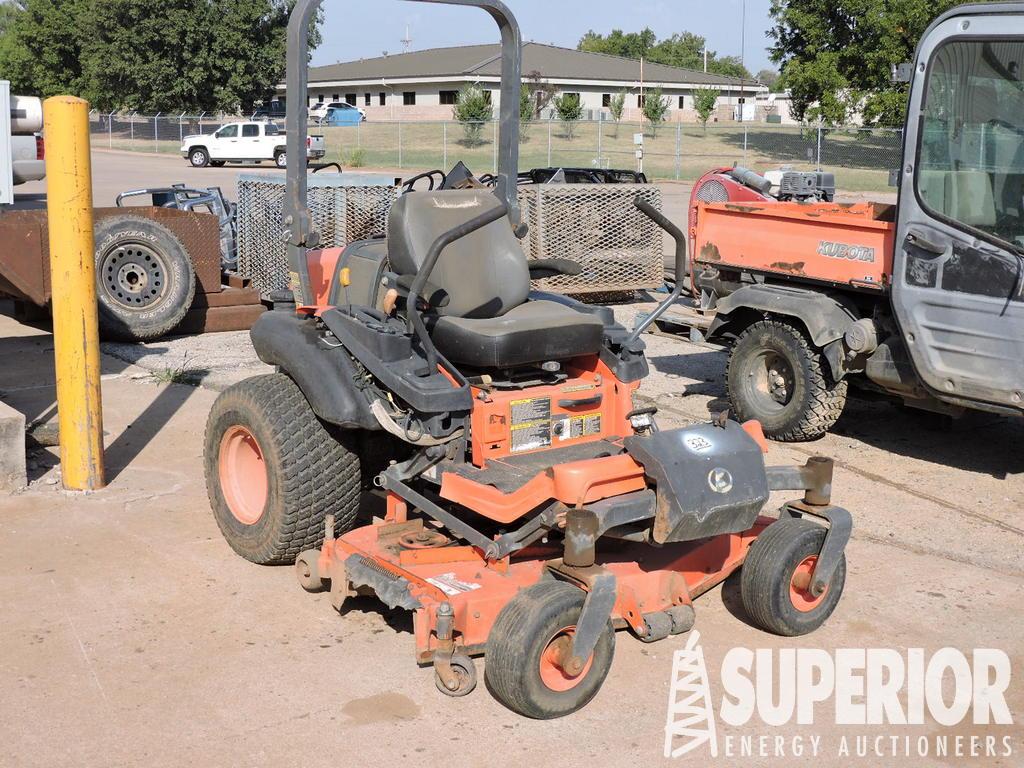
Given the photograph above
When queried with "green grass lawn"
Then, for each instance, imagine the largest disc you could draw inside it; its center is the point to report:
(860, 160)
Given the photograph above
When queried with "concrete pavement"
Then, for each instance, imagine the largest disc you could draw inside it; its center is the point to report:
(132, 634)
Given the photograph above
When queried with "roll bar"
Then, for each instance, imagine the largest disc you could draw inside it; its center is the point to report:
(298, 224)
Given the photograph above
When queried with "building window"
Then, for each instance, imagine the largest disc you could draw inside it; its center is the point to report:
(334, 97)
(367, 100)
(383, 99)
(409, 98)
(682, 102)
(350, 98)
(640, 100)
(488, 95)
(606, 100)
(449, 97)
(320, 98)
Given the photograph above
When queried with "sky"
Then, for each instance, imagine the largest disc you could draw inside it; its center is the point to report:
(356, 29)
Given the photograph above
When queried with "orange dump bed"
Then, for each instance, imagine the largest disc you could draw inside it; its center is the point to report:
(848, 243)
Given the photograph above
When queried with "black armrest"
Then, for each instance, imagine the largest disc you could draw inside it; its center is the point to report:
(541, 268)
(432, 295)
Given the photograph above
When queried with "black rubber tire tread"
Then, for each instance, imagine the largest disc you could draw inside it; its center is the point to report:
(116, 320)
(818, 401)
(312, 471)
(277, 158)
(519, 635)
(768, 570)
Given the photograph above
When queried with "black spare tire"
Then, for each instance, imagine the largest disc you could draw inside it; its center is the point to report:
(145, 281)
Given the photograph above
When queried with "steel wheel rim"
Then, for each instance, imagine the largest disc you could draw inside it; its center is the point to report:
(243, 475)
(552, 674)
(772, 381)
(134, 275)
(800, 586)
(198, 157)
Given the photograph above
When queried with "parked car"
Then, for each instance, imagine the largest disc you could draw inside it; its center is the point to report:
(275, 110)
(245, 142)
(336, 113)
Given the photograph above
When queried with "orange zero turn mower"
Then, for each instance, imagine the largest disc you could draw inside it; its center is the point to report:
(528, 510)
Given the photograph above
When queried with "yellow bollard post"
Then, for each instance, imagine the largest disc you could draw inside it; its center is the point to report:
(73, 288)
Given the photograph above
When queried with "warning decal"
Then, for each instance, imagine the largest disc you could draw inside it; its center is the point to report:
(575, 427)
(451, 586)
(531, 424)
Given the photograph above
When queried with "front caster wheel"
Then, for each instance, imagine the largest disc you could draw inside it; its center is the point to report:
(528, 645)
(307, 569)
(775, 584)
(464, 671)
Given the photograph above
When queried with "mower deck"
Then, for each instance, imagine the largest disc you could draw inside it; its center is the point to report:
(412, 565)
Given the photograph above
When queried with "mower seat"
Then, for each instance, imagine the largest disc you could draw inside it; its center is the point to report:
(488, 321)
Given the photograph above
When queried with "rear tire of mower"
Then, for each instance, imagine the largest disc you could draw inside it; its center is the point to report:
(311, 471)
(766, 584)
(816, 401)
(517, 643)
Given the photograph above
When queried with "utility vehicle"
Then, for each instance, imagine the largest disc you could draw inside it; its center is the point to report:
(245, 142)
(922, 301)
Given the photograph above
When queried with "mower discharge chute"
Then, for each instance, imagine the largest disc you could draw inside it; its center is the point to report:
(530, 510)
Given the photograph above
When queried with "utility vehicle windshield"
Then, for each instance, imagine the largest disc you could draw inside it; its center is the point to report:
(971, 168)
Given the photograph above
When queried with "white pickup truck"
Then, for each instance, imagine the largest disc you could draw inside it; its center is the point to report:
(245, 142)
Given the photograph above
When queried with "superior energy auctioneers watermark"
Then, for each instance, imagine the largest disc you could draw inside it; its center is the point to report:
(890, 703)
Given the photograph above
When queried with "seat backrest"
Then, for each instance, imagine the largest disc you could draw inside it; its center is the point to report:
(485, 274)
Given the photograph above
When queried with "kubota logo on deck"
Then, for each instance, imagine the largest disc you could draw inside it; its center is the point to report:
(846, 251)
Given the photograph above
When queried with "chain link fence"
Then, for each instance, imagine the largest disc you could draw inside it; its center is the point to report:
(861, 158)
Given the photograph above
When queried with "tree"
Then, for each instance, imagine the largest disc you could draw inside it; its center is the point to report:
(541, 91)
(473, 109)
(525, 113)
(704, 102)
(836, 55)
(769, 77)
(617, 106)
(683, 49)
(569, 110)
(655, 109)
(172, 56)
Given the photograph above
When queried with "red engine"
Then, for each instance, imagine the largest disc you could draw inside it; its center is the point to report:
(727, 185)
(724, 185)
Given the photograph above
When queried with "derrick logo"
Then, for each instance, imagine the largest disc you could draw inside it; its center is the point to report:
(774, 698)
(846, 251)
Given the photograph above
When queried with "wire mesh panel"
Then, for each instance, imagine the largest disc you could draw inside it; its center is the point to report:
(341, 211)
(597, 226)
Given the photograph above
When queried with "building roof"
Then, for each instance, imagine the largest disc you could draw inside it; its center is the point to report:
(473, 61)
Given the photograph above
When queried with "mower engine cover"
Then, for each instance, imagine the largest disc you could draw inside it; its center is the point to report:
(711, 480)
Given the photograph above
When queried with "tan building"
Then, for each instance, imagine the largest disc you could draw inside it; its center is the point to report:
(422, 85)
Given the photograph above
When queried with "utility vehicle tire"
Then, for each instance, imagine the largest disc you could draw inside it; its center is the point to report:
(777, 377)
(199, 157)
(274, 471)
(144, 278)
(521, 667)
(771, 588)
(281, 159)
